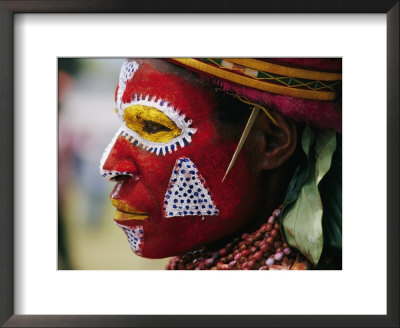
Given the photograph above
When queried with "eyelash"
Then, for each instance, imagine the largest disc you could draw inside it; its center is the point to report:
(173, 113)
(154, 127)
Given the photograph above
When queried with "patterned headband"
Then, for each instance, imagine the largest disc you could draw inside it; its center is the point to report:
(263, 75)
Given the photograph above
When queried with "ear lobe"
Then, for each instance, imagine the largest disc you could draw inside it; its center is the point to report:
(280, 140)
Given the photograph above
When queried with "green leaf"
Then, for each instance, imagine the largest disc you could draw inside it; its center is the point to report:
(302, 171)
(325, 146)
(331, 194)
(302, 215)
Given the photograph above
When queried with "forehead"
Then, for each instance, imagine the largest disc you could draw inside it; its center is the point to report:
(194, 96)
(173, 84)
(166, 67)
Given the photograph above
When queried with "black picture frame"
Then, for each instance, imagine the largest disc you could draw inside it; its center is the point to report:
(7, 11)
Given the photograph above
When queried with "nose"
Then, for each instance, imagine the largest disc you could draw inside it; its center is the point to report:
(118, 159)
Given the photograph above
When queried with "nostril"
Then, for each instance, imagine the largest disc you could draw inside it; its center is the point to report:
(125, 167)
(117, 161)
(118, 175)
(121, 176)
(120, 170)
(116, 169)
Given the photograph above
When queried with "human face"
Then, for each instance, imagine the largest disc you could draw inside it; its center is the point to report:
(168, 159)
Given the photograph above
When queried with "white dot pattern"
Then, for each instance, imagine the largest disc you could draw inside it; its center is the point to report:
(187, 194)
(127, 71)
(135, 238)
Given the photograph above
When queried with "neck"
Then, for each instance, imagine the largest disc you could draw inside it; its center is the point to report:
(262, 249)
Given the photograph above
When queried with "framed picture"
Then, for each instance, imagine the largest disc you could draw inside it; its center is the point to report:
(36, 290)
(128, 191)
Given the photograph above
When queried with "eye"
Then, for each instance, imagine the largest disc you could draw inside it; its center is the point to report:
(153, 127)
(150, 123)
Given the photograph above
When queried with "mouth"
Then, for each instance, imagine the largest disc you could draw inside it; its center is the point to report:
(125, 212)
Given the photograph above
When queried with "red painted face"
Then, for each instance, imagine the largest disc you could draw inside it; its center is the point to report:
(169, 159)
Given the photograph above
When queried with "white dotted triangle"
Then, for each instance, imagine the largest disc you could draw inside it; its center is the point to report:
(187, 194)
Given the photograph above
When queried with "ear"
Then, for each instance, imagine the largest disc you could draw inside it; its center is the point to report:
(276, 143)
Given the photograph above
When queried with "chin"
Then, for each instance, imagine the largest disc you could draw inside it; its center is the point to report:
(158, 254)
(151, 249)
(176, 236)
(150, 252)
(159, 249)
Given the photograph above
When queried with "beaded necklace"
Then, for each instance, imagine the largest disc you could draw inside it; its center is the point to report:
(263, 249)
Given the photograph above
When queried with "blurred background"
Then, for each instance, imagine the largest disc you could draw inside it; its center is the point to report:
(88, 239)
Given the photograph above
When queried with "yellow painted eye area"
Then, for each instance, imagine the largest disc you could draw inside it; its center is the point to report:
(150, 123)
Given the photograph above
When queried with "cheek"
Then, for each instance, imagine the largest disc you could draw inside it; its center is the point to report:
(212, 155)
(158, 170)
(228, 195)
(209, 153)
(155, 171)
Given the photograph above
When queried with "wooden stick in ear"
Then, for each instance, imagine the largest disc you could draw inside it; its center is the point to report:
(243, 138)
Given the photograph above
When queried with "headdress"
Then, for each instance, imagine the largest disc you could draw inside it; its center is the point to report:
(306, 90)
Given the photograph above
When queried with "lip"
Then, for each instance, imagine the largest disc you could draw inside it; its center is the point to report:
(125, 212)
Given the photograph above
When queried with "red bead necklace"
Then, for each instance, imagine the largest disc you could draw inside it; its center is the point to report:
(263, 249)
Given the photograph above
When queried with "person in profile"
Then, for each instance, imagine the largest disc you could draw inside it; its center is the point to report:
(229, 164)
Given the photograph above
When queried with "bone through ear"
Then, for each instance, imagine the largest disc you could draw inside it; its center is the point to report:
(256, 109)
(243, 138)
